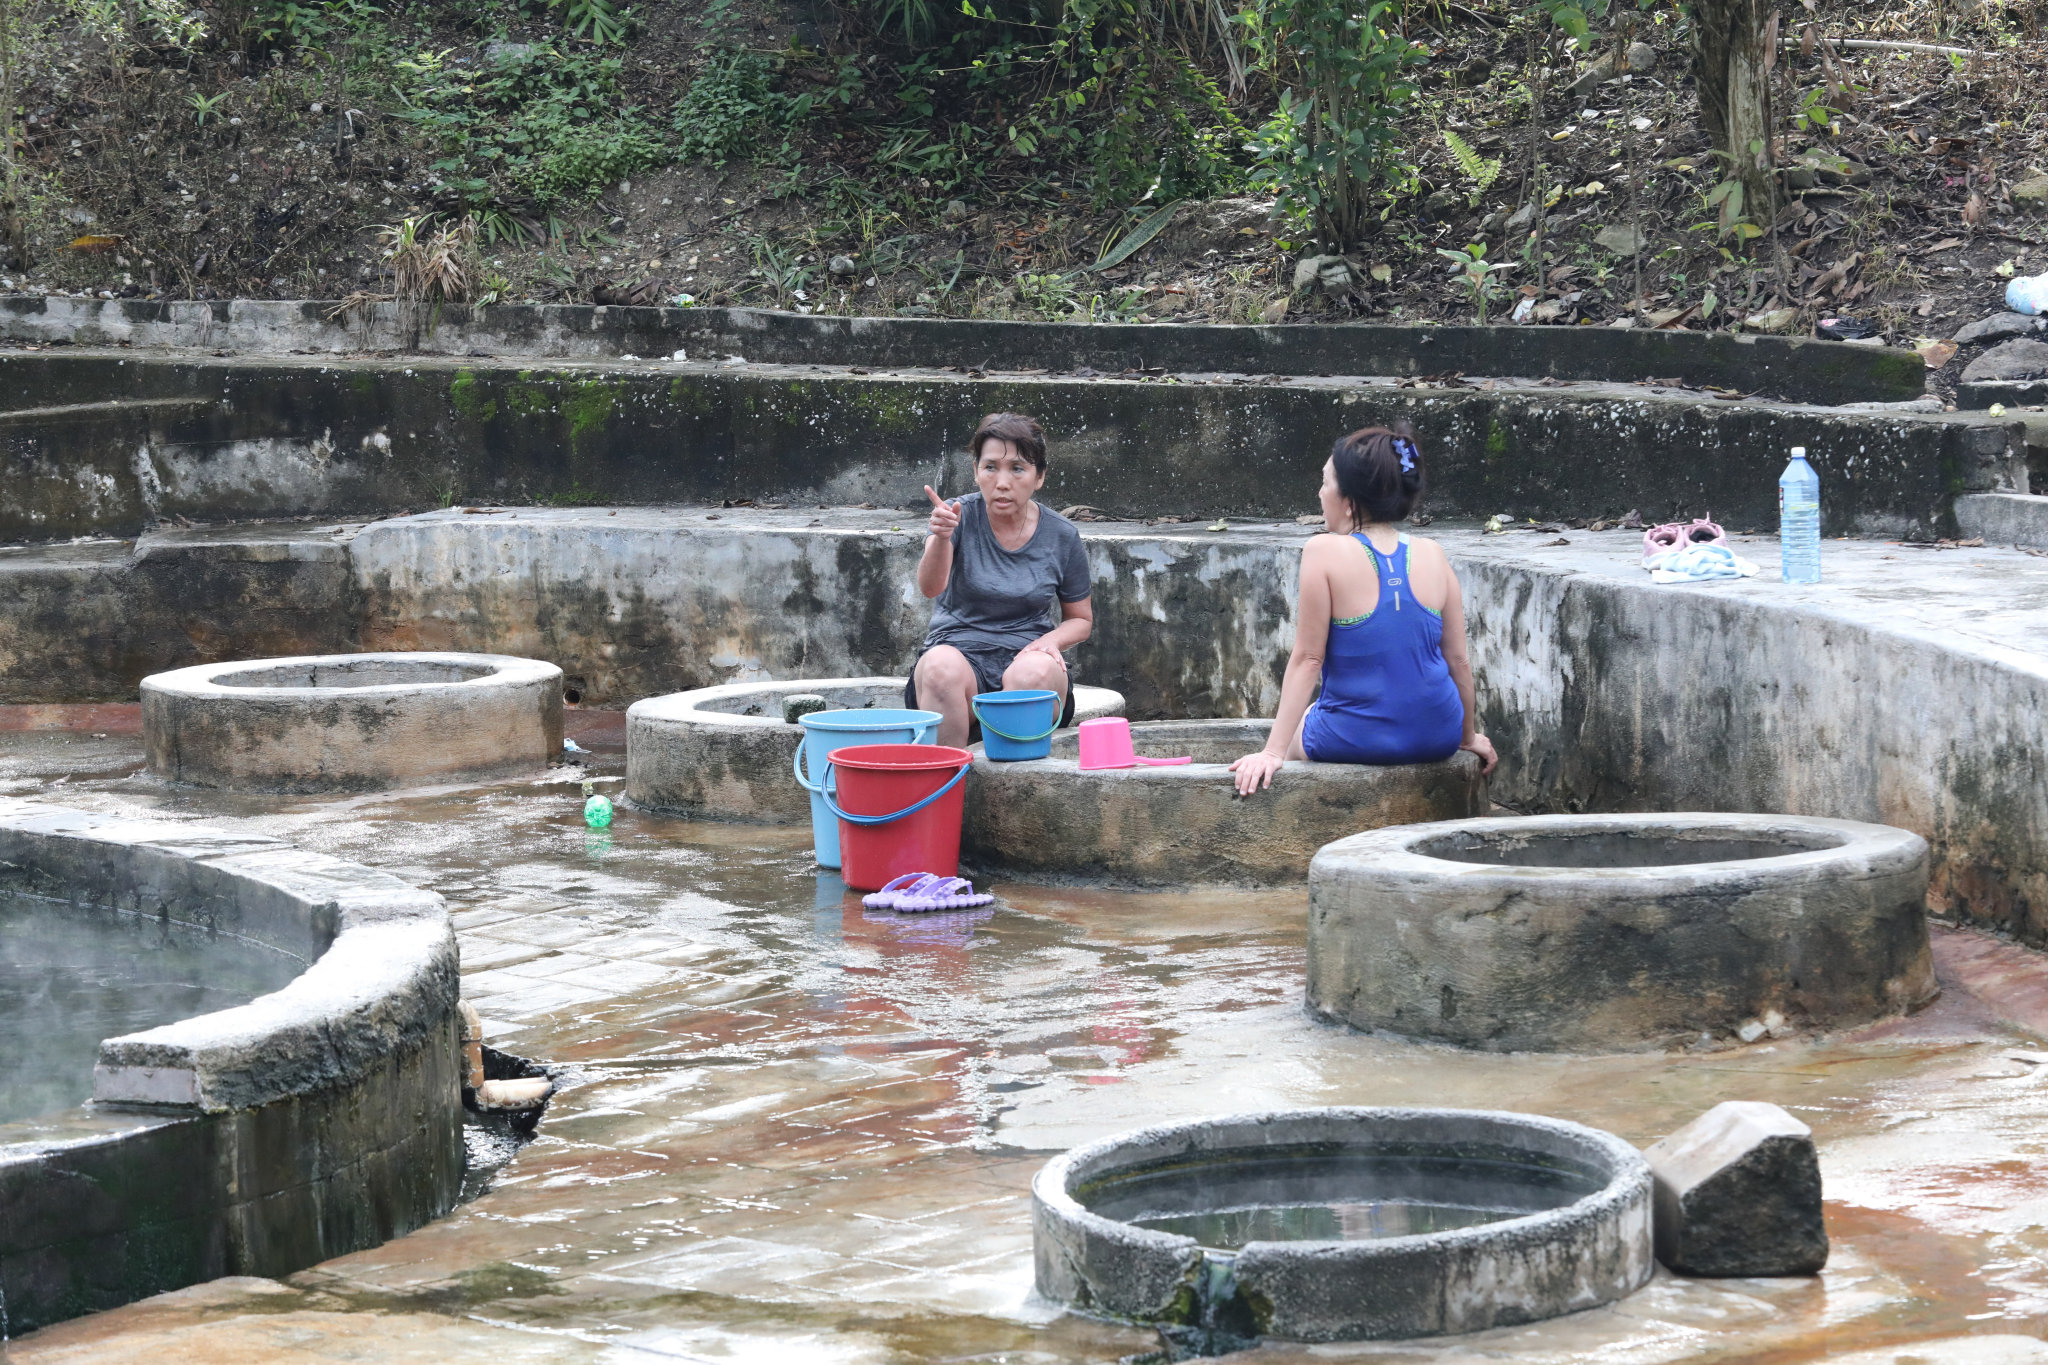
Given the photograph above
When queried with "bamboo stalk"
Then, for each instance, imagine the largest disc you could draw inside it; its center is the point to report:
(1888, 45)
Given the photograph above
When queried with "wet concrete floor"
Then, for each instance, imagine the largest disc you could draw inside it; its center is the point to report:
(796, 1130)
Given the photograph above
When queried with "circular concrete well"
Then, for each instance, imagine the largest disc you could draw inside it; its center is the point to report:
(1175, 826)
(1618, 932)
(352, 722)
(1344, 1224)
(727, 753)
(322, 1116)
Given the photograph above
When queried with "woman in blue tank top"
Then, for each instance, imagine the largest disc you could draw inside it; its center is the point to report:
(1380, 622)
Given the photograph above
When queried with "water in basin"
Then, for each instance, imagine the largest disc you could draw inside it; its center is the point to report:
(1606, 848)
(1347, 1196)
(72, 975)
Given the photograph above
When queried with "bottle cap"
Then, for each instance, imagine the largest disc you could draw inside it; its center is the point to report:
(1798, 452)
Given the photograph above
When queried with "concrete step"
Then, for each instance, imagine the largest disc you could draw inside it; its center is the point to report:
(1791, 368)
(293, 435)
(2017, 519)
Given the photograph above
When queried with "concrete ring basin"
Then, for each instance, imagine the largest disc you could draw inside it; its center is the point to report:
(1344, 1224)
(352, 722)
(1047, 819)
(320, 1117)
(1619, 932)
(725, 752)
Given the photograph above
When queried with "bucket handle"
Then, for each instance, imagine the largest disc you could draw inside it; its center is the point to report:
(801, 780)
(975, 706)
(798, 762)
(831, 789)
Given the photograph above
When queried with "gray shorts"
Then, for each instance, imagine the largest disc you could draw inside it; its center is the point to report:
(989, 665)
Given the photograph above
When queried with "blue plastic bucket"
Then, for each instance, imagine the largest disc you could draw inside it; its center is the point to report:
(1017, 725)
(827, 732)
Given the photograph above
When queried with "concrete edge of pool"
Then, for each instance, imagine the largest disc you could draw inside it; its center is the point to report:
(352, 722)
(1050, 820)
(1591, 1251)
(319, 1119)
(1586, 933)
(725, 752)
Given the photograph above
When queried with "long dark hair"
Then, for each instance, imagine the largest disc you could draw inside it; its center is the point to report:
(1379, 472)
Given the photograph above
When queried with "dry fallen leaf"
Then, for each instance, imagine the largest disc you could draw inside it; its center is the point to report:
(1937, 353)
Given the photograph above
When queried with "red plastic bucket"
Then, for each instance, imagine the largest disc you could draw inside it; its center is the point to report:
(899, 810)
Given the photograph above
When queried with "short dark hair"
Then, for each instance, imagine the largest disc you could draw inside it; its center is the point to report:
(1379, 472)
(1020, 431)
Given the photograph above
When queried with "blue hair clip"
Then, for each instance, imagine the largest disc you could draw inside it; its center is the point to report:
(1405, 448)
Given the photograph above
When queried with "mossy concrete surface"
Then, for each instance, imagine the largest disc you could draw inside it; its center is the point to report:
(1797, 370)
(231, 438)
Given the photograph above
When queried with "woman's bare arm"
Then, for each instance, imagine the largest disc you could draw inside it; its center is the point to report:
(935, 566)
(1460, 663)
(1077, 623)
(1304, 668)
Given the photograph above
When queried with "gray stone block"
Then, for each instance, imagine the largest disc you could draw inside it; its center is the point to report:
(1738, 1193)
(2017, 359)
(2000, 326)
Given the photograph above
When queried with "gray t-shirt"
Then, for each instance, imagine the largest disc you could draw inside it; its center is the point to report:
(1004, 599)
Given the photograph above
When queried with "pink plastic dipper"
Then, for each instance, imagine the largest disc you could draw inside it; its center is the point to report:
(1106, 743)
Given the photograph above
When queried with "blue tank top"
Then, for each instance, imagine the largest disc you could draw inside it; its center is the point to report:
(1387, 694)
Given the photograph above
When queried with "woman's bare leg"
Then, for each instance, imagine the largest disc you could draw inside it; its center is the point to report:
(1036, 671)
(945, 684)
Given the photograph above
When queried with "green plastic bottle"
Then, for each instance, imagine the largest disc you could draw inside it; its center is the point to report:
(597, 810)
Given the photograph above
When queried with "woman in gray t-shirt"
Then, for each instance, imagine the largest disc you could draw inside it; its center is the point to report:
(1011, 581)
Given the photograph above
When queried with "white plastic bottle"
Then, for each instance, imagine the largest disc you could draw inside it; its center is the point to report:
(1799, 521)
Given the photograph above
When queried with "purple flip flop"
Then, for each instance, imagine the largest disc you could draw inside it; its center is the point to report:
(907, 884)
(939, 893)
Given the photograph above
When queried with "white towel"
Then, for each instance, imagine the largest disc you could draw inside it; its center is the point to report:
(1698, 564)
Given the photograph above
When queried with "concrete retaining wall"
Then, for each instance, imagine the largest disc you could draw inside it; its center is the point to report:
(319, 1119)
(368, 437)
(1798, 370)
(1907, 690)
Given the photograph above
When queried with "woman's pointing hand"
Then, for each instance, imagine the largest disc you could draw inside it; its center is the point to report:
(945, 517)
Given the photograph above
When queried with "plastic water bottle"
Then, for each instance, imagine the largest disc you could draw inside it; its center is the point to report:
(597, 810)
(1799, 521)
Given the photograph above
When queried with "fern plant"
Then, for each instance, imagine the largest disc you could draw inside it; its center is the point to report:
(595, 21)
(1482, 171)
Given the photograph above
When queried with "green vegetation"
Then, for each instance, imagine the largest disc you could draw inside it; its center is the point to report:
(1056, 159)
(526, 129)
